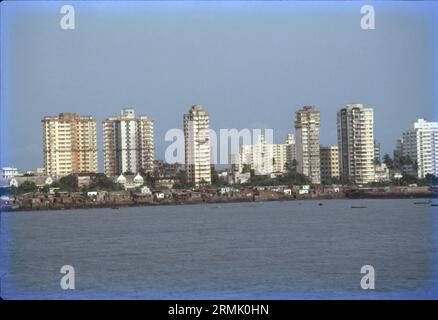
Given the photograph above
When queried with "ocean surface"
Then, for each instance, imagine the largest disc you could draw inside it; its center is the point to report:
(269, 250)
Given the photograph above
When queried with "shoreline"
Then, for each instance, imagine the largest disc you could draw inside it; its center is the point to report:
(116, 206)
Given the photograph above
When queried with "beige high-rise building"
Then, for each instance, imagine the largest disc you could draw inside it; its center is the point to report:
(329, 157)
(197, 146)
(307, 143)
(128, 143)
(70, 144)
(356, 143)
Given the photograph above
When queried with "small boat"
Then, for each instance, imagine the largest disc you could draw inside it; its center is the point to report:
(422, 202)
(115, 208)
(434, 204)
(320, 204)
(358, 207)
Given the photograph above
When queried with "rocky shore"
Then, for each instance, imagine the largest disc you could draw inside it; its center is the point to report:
(118, 199)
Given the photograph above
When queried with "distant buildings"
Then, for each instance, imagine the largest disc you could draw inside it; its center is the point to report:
(70, 144)
(8, 172)
(291, 154)
(128, 143)
(307, 143)
(259, 156)
(418, 149)
(163, 169)
(266, 158)
(376, 151)
(381, 173)
(197, 146)
(329, 158)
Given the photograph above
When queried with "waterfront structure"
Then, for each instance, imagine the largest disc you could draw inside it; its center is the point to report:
(329, 158)
(128, 143)
(417, 150)
(307, 125)
(197, 150)
(70, 144)
(356, 143)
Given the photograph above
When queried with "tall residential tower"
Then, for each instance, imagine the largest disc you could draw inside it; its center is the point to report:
(307, 143)
(197, 146)
(356, 143)
(70, 144)
(128, 143)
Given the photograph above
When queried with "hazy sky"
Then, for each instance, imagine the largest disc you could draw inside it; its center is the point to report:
(252, 65)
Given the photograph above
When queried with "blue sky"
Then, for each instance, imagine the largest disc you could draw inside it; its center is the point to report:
(251, 64)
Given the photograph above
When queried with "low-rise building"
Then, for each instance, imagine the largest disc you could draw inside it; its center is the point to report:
(130, 181)
(8, 172)
(381, 173)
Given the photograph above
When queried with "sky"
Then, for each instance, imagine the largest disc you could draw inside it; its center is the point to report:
(250, 64)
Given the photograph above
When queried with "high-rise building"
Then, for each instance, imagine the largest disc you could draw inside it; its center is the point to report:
(307, 143)
(329, 163)
(291, 154)
(197, 146)
(419, 148)
(376, 151)
(266, 158)
(70, 144)
(259, 156)
(128, 143)
(356, 143)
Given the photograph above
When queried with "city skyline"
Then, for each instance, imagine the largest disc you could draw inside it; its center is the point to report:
(248, 73)
(128, 114)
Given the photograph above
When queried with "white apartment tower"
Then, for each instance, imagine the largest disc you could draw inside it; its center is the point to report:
(128, 143)
(259, 156)
(420, 144)
(197, 146)
(307, 143)
(266, 158)
(356, 143)
(70, 144)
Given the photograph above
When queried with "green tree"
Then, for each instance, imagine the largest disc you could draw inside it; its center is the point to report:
(68, 183)
(25, 187)
(101, 182)
(388, 161)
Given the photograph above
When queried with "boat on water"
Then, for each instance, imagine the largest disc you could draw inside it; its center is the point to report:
(358, 207)
(434, 204)
(422, 202)
(115, 208)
